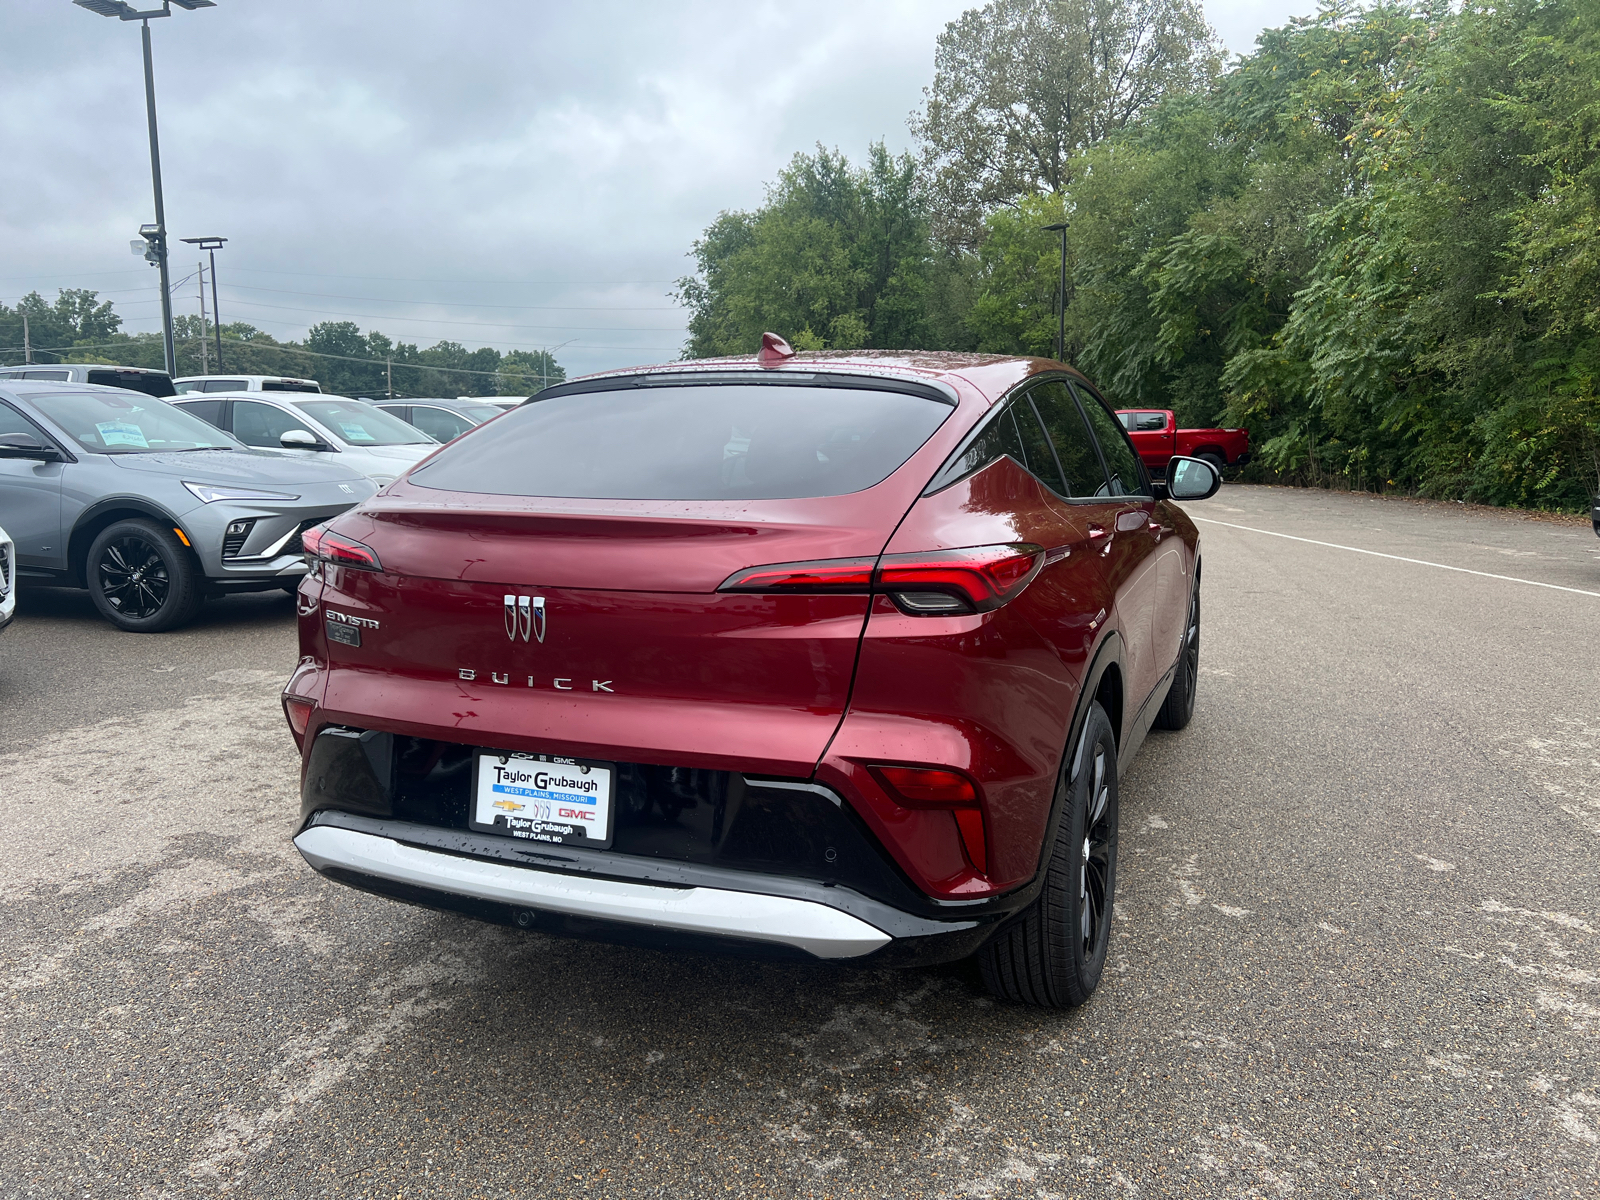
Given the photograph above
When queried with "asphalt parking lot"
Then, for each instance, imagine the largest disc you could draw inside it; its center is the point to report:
(1356, 950)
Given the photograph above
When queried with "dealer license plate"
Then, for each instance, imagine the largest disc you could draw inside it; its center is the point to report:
(543, 798)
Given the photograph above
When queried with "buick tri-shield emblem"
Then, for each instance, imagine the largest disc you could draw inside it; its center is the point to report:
(525, 617)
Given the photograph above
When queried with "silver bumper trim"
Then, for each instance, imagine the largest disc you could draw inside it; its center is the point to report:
(816, 928)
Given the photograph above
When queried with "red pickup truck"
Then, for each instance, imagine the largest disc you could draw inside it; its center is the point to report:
(1157, 438)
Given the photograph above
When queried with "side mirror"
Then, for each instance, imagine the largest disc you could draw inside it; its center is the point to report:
(25, 445)
(301, 439)
(1192, 479)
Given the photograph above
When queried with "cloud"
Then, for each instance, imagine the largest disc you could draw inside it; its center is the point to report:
(408, 164)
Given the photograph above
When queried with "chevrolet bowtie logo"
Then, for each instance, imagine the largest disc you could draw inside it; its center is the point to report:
(525, 617)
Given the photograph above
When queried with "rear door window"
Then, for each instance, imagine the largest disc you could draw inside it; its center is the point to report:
(257, 424)
(207, 410)
(700, 441)
(1122, 464)
(997, 438)
(439, 422)
(1074, 447)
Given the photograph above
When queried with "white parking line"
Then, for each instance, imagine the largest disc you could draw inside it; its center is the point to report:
(1399, 558)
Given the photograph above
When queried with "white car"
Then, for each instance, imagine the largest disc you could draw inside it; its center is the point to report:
(8, 580)
(245, 383)
(379, 446)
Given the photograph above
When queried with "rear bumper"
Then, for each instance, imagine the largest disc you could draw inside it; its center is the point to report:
(805, 925)
(625, 899)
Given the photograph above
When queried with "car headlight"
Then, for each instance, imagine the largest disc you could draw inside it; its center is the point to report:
(209, 493)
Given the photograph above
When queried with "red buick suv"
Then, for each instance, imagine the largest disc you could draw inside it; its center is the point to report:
(830, 657)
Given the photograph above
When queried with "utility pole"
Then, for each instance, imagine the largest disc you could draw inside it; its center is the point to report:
(388, 376)
(211, 245)
(27, 344)
(204, 369)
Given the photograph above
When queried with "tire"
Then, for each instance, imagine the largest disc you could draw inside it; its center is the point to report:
(1215, 459)
(1044, 955)
(141, 578)
(292, 586)
(1178, 707)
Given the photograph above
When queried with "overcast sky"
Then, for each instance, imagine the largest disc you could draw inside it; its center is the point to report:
(515, 174)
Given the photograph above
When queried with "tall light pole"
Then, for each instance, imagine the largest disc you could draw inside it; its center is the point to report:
(158, 237)
(1061, 293)
(212, 245)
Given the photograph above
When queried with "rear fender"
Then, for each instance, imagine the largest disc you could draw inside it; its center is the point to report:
(1102, 682)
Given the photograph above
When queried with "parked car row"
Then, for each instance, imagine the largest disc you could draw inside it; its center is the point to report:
(151, 508)
(153, 493)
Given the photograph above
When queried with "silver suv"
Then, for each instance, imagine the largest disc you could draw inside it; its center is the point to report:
(147, 506)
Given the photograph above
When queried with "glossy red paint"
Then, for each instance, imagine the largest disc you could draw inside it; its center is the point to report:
(644, 660)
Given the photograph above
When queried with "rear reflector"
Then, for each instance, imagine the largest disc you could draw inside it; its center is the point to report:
(939, 583)
(931, 787)
(299, 713)
(926, 787)
(321, 542)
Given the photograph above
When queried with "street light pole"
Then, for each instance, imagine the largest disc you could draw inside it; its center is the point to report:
(1061, 293)
(211, 245)
(158, 237)
(161, 208)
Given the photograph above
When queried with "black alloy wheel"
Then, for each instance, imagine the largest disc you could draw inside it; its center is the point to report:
(141, 578)
(1178, 708)
(1053, 952)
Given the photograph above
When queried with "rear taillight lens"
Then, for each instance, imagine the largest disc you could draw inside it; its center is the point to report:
(322, 543)
(298, 712)
(939, 583)
(954, 581)
(847, 575)
(934, 787)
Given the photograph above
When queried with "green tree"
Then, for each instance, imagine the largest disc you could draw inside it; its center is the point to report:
(1021, 86)
(528, 372)
(837, 258)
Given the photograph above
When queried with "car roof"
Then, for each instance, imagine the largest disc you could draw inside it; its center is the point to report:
(79, 367)
(263, 397)
(992, 375)
(35, 387)
(244, 375)
(437, 401)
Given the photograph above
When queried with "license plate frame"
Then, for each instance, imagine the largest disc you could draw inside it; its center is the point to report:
(554, 815)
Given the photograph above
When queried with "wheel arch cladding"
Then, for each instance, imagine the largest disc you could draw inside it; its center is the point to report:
(108, 512)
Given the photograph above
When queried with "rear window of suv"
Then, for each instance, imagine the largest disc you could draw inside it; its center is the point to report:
(691, 442)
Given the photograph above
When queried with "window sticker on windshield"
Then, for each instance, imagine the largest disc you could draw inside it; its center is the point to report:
(119, 433)
(355, 432)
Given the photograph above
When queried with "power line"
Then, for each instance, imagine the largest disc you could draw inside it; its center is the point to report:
(461, 303)
(410, 279)
(323, 354)
(327, 312)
